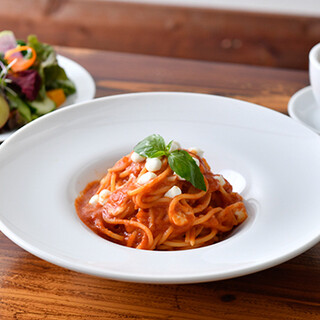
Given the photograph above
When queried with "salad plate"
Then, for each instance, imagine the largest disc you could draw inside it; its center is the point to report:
(83, 81)
(261, 152)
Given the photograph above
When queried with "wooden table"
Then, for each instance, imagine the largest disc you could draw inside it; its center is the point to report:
(32, 289)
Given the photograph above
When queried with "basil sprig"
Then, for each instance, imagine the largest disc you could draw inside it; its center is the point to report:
(180, 161)
(152, 147)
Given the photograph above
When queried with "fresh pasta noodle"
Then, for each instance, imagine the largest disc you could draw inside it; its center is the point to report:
(144, 204)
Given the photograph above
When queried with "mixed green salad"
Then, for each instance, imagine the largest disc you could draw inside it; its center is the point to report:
(31, 81)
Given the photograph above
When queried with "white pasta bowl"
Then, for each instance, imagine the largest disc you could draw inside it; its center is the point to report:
(270, 159)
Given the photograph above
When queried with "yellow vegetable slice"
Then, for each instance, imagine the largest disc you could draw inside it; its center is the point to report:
(4, 111)
(57, 95)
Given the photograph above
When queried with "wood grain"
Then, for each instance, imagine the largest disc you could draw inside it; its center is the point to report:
(117, 73)
(183, 32)
(33, 289)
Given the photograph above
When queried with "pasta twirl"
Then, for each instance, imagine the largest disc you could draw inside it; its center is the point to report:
(152, 214)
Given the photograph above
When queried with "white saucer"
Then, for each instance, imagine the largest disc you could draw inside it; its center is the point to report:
(302, 107)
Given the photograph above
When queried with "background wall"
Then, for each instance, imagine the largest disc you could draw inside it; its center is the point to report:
(296, 7)
(181, 30)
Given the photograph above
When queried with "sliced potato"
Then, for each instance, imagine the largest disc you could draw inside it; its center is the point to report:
(4, 111)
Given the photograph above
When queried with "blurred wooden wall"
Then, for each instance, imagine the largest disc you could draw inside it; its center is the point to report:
(205, 34)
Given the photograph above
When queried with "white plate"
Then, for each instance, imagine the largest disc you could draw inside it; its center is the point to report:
(303, 108)
(271, 158)
(83, 81)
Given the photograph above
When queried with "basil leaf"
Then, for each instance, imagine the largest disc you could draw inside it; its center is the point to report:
(182, 164)
(169, 146)
(158, 154)
(180, 161)
(152, 147)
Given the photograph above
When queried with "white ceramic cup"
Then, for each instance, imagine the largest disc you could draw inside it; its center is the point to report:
(314, 71)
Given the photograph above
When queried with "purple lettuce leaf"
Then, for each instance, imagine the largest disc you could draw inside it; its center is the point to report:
(28, 83)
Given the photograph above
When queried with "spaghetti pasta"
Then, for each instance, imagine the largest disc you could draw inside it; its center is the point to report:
(160, 211)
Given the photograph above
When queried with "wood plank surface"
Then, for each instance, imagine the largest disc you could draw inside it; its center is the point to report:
(117, 73)
(184, 32)
(33, 289)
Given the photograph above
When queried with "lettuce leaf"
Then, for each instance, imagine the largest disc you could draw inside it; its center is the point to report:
(46, 55)
(56, 78)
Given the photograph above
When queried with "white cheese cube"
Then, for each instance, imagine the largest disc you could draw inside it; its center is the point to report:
(179, 178)
(153, 164)
(240, 215)
(199, 152)
(220, 179)
(174, 146)
(94, 199)
(146, 177)
(197, 161)
(135, 157)
(103, 196)
(173, 192)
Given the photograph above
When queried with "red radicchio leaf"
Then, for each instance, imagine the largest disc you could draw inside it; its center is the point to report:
(28, 81)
